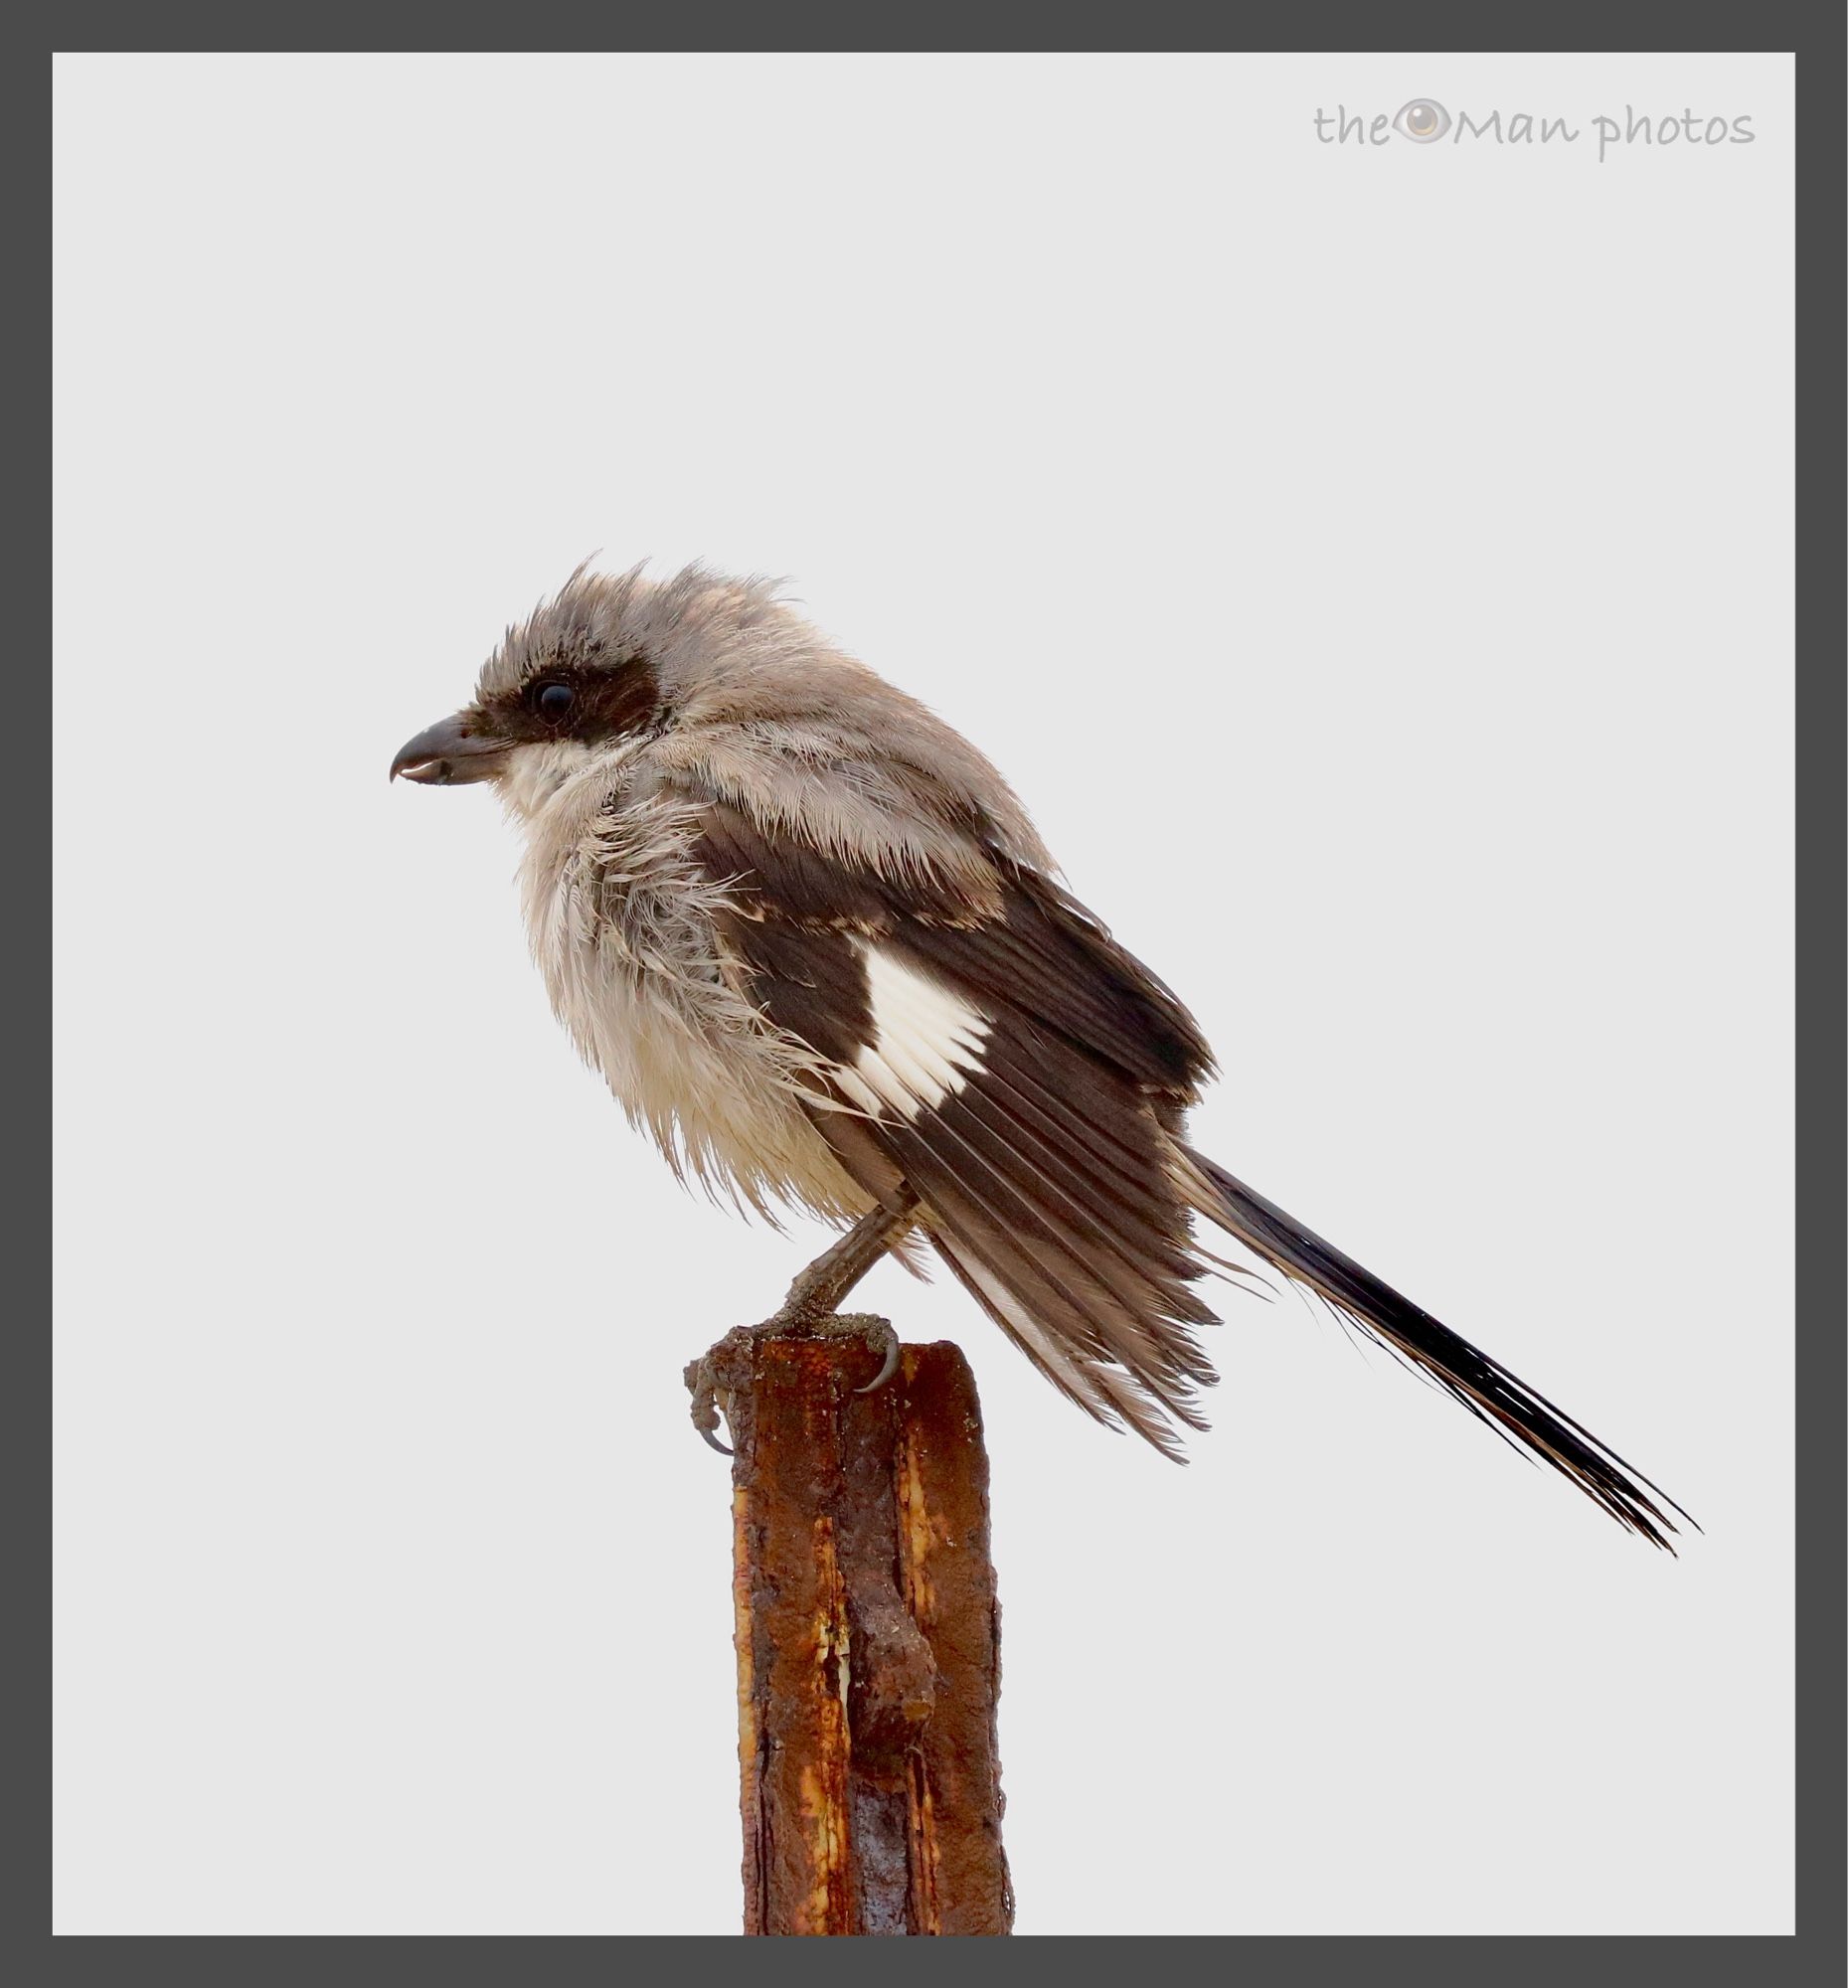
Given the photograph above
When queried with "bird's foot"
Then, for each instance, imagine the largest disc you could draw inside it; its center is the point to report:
(874, 1332)
(715, 1374)
(726, 1368)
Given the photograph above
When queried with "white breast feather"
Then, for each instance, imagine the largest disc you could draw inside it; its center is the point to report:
(621, 924)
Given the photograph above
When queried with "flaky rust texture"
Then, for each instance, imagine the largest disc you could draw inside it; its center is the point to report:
(868, 1645)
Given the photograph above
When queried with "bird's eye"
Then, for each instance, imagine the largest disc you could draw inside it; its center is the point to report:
(555, 700)
(1422, 121)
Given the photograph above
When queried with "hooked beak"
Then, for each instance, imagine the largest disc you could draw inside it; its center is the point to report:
(452, 754)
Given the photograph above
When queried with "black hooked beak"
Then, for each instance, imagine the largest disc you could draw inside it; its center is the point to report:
(452, 754)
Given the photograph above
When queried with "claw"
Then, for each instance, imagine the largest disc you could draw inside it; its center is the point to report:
(705, 1386)
(887, 1367)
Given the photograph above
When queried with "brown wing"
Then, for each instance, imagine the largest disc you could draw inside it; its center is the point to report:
(990, 1043)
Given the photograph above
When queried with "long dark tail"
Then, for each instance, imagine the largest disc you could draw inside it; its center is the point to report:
(1487, 1389)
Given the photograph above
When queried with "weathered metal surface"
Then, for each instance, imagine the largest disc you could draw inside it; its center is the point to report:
(867, 1645)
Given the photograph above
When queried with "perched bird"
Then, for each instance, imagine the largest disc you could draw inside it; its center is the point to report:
(811, 937)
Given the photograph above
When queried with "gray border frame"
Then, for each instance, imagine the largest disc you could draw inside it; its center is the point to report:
(1817, 36)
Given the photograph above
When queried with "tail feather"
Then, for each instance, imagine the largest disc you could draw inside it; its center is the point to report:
(1487, 1389)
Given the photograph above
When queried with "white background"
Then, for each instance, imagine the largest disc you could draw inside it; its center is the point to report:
(1372, 568)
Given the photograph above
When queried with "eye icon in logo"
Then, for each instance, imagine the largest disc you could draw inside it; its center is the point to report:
(1423, 120)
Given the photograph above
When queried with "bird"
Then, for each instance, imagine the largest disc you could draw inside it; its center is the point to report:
(812, 942)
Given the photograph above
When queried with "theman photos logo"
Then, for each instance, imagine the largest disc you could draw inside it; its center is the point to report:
(1424, 121)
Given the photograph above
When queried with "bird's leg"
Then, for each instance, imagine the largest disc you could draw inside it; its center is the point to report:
(809, 1311)
(818, 1290)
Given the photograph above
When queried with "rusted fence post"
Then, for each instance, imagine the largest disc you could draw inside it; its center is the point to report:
(867, 1643)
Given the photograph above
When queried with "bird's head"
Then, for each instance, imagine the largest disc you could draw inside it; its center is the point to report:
(610, 659)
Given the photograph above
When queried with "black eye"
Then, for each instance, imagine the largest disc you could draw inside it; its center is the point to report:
(555, 700)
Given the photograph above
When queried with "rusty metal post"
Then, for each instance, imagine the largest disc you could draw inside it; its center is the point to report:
(867, 1645)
